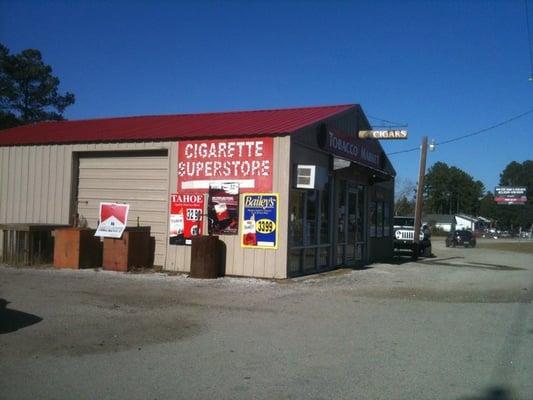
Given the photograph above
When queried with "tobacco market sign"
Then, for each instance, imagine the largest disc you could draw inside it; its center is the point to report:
(351, 148)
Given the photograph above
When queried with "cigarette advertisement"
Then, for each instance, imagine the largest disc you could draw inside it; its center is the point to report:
(223, 209)
(185, 217)
(260, 221)
(113, 220)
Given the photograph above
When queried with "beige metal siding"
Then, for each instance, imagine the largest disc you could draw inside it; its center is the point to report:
(140, 181)
(36, 183)
(239, 261)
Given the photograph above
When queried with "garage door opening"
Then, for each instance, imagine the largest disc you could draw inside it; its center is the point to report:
(138, 178)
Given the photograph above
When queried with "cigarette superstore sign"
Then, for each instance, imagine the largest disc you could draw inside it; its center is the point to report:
(247, 162)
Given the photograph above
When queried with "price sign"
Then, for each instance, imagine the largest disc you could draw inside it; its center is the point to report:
(194, 214)
(185, 217)
(260, 221)
(265, 226)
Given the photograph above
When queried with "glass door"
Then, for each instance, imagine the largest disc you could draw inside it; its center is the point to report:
(309, 231)
(360, 237)
(350, 231)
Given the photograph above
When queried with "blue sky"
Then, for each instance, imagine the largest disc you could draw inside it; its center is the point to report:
(446, 68)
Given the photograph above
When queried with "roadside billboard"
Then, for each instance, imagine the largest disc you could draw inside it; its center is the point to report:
(510, 195)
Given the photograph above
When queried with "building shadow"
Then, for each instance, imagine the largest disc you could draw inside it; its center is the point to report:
(13, 320)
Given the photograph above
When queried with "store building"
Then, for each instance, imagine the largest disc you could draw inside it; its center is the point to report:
(336, 191)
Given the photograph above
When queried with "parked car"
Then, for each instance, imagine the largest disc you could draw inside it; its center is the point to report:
(404, 235)
(461, 238)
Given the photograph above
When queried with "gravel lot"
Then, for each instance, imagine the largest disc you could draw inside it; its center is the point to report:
(458, 326)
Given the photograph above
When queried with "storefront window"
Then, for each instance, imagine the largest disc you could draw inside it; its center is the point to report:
(323, 253)
(296, 209)
(340, 254)
(372, 214)
(310, 260)
(311, 218)
(295, 261)
(309, 230)
(386, 217)
(359, 252)
(379, 217)
(361, 215)
(324, 215)
(309, 223)
(341, 211)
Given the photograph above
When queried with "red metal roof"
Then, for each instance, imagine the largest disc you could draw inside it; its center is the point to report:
(168, 127)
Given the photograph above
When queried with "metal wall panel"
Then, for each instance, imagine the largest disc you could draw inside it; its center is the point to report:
(36, 184)
(239, 261)
(36, 181)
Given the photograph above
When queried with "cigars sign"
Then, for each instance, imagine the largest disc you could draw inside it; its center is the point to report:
(247, 162)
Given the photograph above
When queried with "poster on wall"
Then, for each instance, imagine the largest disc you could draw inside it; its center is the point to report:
(113, 219)
(186, 217)
(248, 162)
(223, 208)
(260, 221)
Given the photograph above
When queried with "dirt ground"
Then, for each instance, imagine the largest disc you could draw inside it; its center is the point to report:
(517, 246)
(457, 326)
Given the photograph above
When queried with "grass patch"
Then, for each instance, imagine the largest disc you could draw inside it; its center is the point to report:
(516, 247)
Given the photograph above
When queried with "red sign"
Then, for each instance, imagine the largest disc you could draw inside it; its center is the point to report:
(186, 217)
(511, 200)
(113, 219)
(247, 162)
(119, 211)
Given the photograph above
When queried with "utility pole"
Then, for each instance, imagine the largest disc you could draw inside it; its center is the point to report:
(420, 195)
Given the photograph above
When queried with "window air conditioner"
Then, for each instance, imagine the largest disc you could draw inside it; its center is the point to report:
(305, 176)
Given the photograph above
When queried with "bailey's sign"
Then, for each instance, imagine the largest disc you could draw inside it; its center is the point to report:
(383, 134)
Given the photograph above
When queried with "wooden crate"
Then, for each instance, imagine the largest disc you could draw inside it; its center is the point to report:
(77, 248)
(132, 250)
(207, 257)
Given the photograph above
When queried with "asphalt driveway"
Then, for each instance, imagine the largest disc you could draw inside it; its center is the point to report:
(458, 326)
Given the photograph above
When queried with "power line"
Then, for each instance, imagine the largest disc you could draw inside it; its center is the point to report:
(399, 124)
(470, 134)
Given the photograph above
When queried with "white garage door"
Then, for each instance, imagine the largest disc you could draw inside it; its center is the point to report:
(139, 180)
